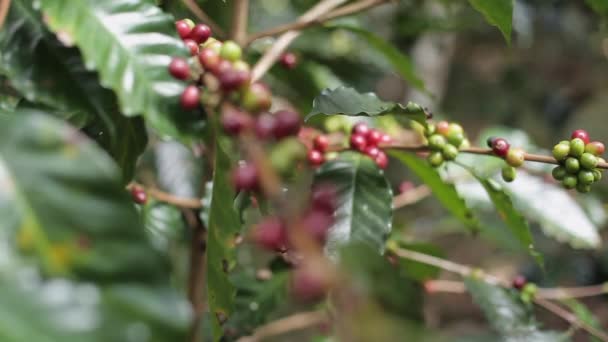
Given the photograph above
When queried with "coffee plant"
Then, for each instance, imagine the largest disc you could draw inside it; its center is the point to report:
(219, 171)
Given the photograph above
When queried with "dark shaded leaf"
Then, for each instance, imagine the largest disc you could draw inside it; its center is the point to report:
(498, 13)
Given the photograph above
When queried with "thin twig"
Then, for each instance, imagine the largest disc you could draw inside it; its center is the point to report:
(570, 318)
(294, 322)
(201, 15)
(240, 15)
(411, 196)
(300, 25)
(182, 202)
(275, 51)
(4, 6)
(196, 281)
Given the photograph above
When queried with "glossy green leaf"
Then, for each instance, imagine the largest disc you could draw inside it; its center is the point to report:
(62, 199)
(445, 192)
(365, 199)
(498, 13)
(348, 101)
(164, 223)
(130, 44)
(400, 62)
(224, 224)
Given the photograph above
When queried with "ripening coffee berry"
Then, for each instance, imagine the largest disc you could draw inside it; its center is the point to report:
(500, 147)
(183, 28)
(138, 194)
(570, 181)
(372, 151)
(264, 126)
(455, 138)
(200, 33)
(307, 285)
(515, 157)
(222, 67)
(455, 128)
(588, 161)
(233, 79)
(358, 142)
(437, 142)
(583, 188)
(572, 165)
(519, 282)
(179, 68)
(315, 157)
(435, 159)
(321, 143)
(577, 147)
(271, 234)
(241, 65)
(324, 198)
(190, 98)
(317, 223)
(288, 123)
(209, 59)
(490, 141)
(234, 121)
(596, 148)
(585, 177)
(373, 137)
(192, 46)
(559, 172)
(561, 151)
(289, 60)
(450, 152)
(580, 134)
(231, 51)
(597, 175)
(508, 173)
(442, 127)
(360, 128)
(245, 177)
(381, 160)
(257, 98)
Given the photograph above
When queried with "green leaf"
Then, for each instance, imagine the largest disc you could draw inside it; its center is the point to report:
(400, 62)
(584, 315)
(347, 101)
(445, 192)
(498, 13)
(364, 201)
(599, 6)
(62, 199)
(224, 224)
(507, 314)
(163, 222)
(130, 43)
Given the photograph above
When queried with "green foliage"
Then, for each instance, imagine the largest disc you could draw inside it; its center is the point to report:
(498, 13)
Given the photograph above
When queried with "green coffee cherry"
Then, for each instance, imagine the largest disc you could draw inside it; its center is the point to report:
(449, 152)
(436, 142)
(240, 66)
(435, 159)
(515, 157)
(430, 129)
(455, 128)
(597, 175)
(569, 182)
(508, 173)
(583, 188)
(455, 138)
(577, 147)
(572, 165)
(561, 151)
(588, 161)
(585, 177)
(559, 172)
(465, 143)
(231, 51)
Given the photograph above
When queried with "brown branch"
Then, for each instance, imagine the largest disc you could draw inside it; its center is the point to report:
(290, 323)
(183, 202)
(240, 15)
(4, 7)
(570, 318)
(196, 281)
(300, 25)
(275, 51)
(201, 15)
(411, 196)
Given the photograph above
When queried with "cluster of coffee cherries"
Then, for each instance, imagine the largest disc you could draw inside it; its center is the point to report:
(445, 140)
(527, 291)
(368, 141)
(514, 157)
(216, 72)
(578, 159)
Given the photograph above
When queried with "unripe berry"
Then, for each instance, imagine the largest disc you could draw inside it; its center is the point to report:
(597, 175)
(583, 188)
(572, 165)
(519, 282)
(257, 98)
(200, 33)
(515, 157)
(508, 173)
(358, 142)
(138, 194)
(179, 68)
(585, 177)
(209, 59)
(500, 147)
(435, 159)
(315, 157)
(324, 198)
(245, 177)
(450, 152)
(235, 121)
(317, 223)
(213, 44)
(289, 60)
(455, 138)
(442, 127)
(559, 172)
(596, 148)
(577, 147)
(580, 134)
(270, 234)
(241, 65)
(231, 51)
(373, 137)
(436, 142)
(569, 182)
(561, 151)
(190, 98)
(321, 143)
(264, 126)
(360, 128)
(588, 161)
(430, 129)
(288, 123)
(455, 128)
(183, 28)
(372, 151)
(192, 46)
(381, 160)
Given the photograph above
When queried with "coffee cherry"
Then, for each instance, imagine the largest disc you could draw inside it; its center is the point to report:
(435, 159)
(442, 128)
(500, 147)
(289, 60)
(373, 137)
(577, 147)
(190, 97)
(209, 59)
(271, 234)
(231, 51)
(179, 68)
(436, 142)
(490, 141)
(430, 129)
(381, 160)
(372, 151)
(580, 134)
(245, 177)
(515, 157)
(386, 139)
(585, 177)
(572, 165)
(183, 28)
(241, 65)
(307, 285)
(317, 223)
(358, 142)
(450, 152)
(288, 123)
(200, 33)
(559, 172)
(588, 161)
(583, 188)
(321, 143)
(561, 151)
(264, 126)
(315, 157)
(508, 173)
(233, 79)
(597, 175)
(570, 181)
(595, 147)
(192, 46)
(455, 128)
(406, 186)
(138, 194)
(360, 128)
(519, 282)
(235, 121)
(455, 138)
(257, 98)
(222, 67)
(324, 198)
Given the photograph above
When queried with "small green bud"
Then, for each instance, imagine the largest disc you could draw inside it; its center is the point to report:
(436, 142)
(572, 165)
(561, 151)
(585, 177)
(559, 172)
(570, 181)
(435, 159)
(508, 173)
(588, 161)
(577, 147)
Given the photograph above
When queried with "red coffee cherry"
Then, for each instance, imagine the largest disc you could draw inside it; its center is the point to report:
(289, 60)
(138, 194)
(183, 28)
(500, 147)
(245, 177)
(519, 282)
(288, 123)
(382, 160)
(307, 285)
(386, 139)
(321, 143)
(264, 126)
(209, 59)
(360, 128)
(358, 142)
(179, 68)
(200, 33)
(233, 79)
(373, 137)
(581, 134)
(315, 157)
(271, 234)
(192, 46)
(324, 198)
(317, 223)
(190, 97)
(372, 151)
(235, 121)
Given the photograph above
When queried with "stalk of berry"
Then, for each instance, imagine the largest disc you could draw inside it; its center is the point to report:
(578, 159)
